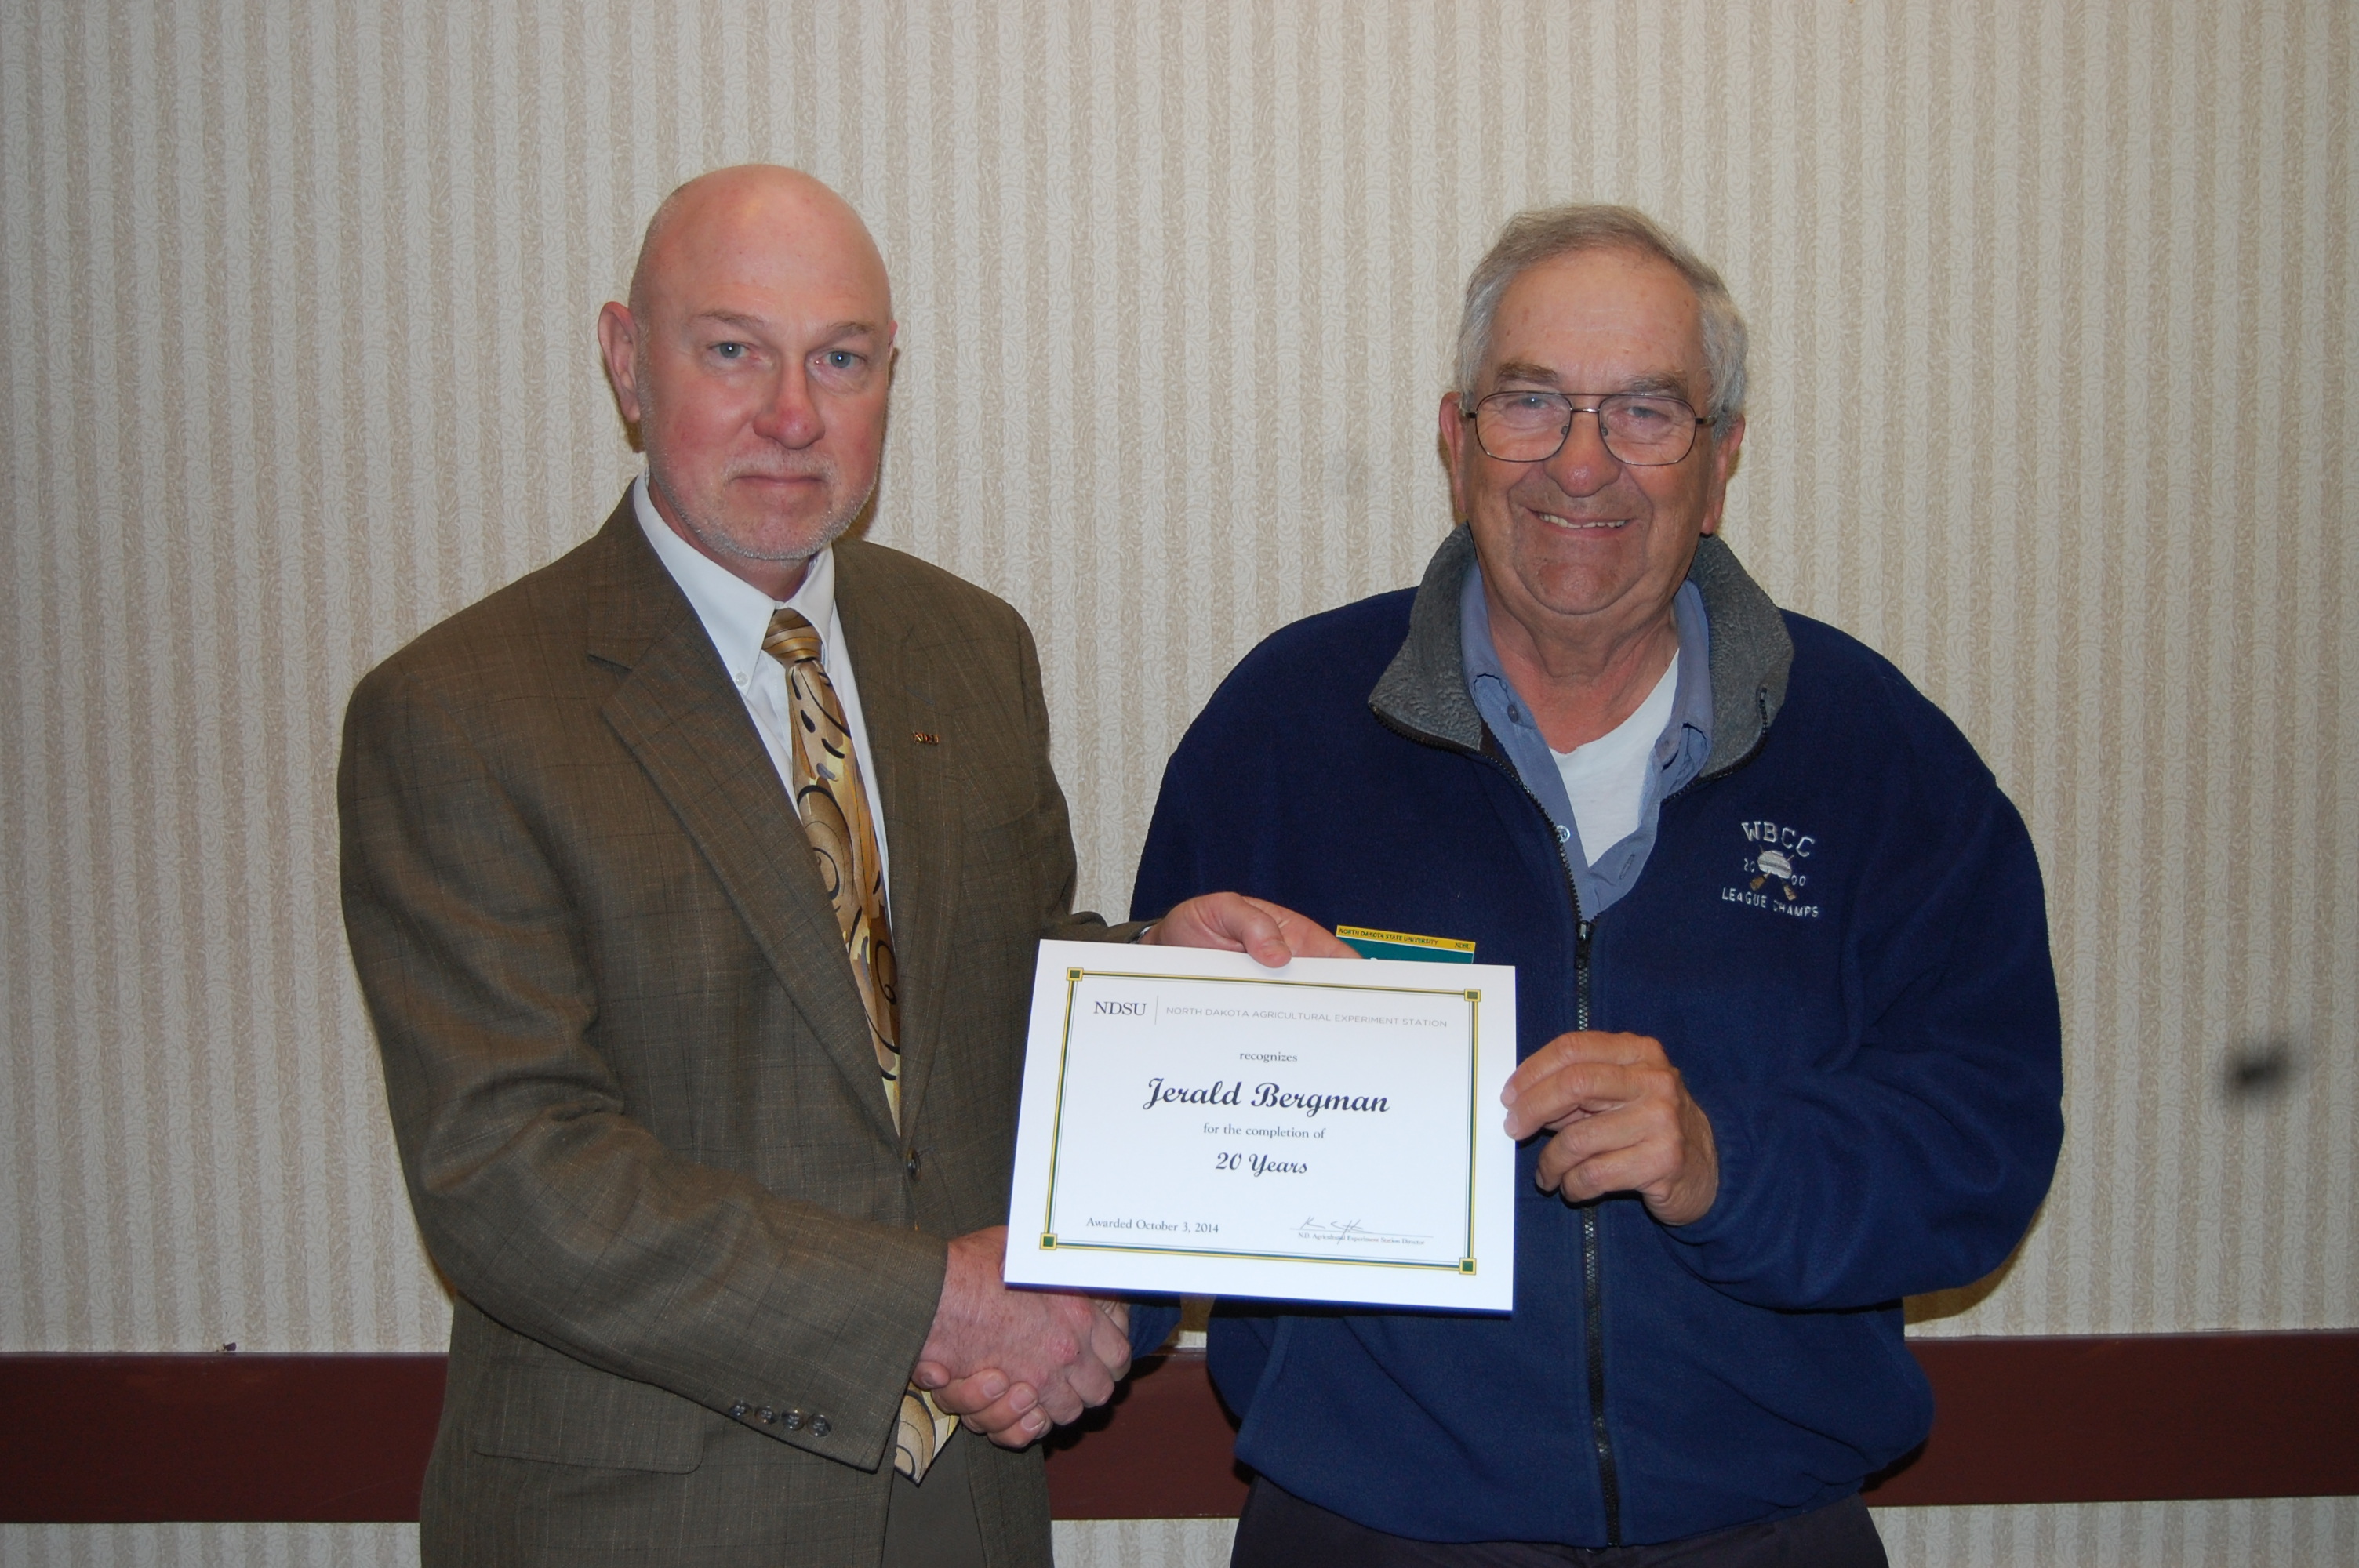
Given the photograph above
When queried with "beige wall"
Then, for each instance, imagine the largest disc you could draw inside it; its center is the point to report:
(2052, 404)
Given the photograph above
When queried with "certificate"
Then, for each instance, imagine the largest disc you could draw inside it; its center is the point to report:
(1331, 1130)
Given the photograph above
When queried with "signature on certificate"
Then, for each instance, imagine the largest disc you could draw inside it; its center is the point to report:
(1347, 1232)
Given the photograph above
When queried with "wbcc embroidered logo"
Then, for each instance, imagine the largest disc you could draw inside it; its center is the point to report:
(1776, 856)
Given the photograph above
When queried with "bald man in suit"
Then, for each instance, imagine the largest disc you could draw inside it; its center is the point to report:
(693, 883)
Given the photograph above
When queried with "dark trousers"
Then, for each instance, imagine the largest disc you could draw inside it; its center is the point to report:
(1279, 1530)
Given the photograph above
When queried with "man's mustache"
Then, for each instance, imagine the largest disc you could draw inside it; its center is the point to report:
(810, 468)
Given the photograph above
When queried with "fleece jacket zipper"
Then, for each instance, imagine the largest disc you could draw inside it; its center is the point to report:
(1592, 1288)
(1593, 1263)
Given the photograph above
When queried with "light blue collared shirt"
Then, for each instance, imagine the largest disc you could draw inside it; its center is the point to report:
(1678, 754)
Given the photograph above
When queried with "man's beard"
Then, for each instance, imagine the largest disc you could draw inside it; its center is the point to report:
(720, 541)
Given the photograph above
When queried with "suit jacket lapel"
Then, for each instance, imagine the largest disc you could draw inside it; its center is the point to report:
(687, 728)
(915, 784)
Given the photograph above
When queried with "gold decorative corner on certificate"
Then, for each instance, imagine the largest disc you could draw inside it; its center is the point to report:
(1072, 974)
(1047, 1241)
(1475, 996)
(1466, 1265)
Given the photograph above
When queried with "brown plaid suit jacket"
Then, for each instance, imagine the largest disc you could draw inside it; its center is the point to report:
(628, 1070)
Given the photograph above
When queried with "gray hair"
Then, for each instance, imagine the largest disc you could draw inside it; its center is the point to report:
(1544, 233)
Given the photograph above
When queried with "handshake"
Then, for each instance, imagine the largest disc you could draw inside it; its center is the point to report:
(1012, 1363)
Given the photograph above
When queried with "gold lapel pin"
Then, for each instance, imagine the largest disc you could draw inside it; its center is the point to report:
(926, 738)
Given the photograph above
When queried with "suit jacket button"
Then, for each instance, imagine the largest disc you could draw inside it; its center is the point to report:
(766, 1415)
(794, 1420)
(912, 1166)
(820, 1427)
(737, 1411)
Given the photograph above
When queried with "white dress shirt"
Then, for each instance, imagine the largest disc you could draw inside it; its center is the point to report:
(736, 616)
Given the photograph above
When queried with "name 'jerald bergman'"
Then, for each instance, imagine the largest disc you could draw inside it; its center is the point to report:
(1266, 1097)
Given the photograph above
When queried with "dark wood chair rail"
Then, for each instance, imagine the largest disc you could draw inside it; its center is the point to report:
(97, 1438)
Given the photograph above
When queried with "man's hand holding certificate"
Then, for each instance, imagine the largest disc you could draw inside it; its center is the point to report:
(1328, 1131)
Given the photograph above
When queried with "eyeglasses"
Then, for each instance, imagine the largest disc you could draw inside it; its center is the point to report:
(1642, 429)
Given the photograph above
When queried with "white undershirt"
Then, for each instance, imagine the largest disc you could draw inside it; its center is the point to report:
(736, 616)
(1606, 779)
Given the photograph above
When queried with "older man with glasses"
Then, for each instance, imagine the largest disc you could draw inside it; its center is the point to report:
(1789, 1026)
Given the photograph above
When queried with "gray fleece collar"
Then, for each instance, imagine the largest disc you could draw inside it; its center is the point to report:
(1424, 689)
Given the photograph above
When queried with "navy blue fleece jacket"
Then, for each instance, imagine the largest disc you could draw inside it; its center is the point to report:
(1839, 940)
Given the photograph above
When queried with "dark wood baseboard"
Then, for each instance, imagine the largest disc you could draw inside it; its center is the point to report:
(2135, 1418)
(94, 1438)
(112, 1439)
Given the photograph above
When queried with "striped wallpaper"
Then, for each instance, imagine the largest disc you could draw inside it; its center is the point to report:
(2052, 403)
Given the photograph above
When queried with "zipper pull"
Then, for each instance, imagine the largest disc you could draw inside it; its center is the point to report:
(1581, 932)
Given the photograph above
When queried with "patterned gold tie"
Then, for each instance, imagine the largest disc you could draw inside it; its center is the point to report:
(834, 806)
